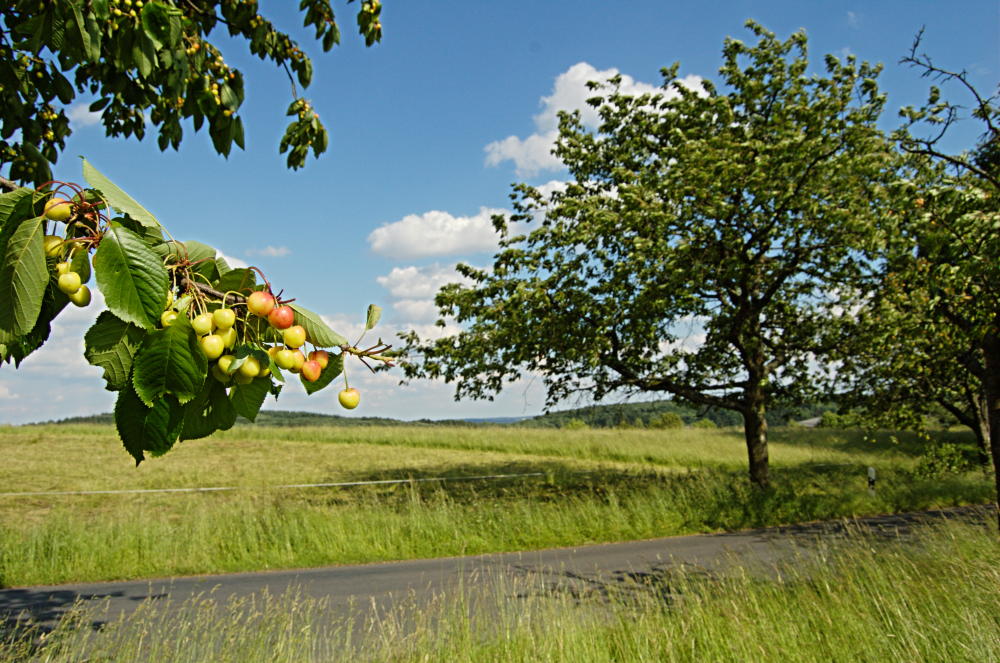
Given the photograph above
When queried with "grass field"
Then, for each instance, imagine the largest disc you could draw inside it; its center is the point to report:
(597, 485)
(934, 598)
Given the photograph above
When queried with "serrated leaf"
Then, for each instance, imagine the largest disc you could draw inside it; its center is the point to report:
(117, 198)
(374, 314)
(19, 347)
(210, 411)
(131, 277)
(15, 206)
(334, 367)
(141, 428)
(317, 332)
(169, 361)
(247, 398)
(111, 344)
(23, 277)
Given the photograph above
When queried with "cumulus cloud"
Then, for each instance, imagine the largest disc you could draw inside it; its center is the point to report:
(271, 252)
(436, 233)
(80, 115)
(415, 287)
(533, 154)
(419, 282)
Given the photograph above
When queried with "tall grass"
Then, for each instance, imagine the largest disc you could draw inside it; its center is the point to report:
(598, 486)
(934, 599)
(216, 533)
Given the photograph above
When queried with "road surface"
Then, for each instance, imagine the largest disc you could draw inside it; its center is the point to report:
(592, 567)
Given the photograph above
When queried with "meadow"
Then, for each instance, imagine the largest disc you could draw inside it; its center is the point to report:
(593, 486)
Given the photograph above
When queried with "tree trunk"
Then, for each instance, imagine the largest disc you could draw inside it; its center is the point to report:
(991, 389)
(982, 429)
(755, 431)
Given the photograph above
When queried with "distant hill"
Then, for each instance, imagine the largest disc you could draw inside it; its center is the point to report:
(631, 414)
(293, 418)
(595, 416)
(641, 414)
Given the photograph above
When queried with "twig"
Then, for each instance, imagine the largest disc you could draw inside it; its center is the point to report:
(8, 184)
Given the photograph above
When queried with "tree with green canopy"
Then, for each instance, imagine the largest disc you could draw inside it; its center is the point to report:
(930, 331)
(148, 63)
(738, 208)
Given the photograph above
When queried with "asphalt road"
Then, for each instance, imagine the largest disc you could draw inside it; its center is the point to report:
(593, 567)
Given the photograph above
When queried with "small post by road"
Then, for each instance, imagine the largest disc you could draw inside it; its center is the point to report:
(871, 481)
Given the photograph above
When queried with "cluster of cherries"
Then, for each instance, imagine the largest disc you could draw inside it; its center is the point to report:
(69, 281)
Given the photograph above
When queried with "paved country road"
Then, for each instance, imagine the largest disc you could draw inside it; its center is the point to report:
(593, 566)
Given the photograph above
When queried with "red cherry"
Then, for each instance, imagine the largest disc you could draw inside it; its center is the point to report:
(282, 317)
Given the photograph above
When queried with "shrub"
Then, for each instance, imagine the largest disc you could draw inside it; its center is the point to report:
(666, 420)
(575, 424)
(704, 423)
(943, 458)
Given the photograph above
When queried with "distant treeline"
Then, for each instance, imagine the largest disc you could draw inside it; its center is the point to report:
(650, 414)
(665, 414)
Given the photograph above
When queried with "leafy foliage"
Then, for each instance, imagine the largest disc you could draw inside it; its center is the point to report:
(156, 61)
(175, 381)
(737, 209)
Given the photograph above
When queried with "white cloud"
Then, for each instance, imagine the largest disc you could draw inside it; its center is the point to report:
(419, 282)
(533, 154)
(271, 252)
(853, 19)
(80, 115)
(436, 233)
(235, 263)
(415, 287)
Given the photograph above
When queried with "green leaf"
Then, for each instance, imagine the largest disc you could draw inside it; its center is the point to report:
(23, 277)
(142, 428)
(111, 344)
(334, 368)
(317, 332)
(210, 411)
(170, 361)
(247, 398)
(14, 207)
(239, 279)
(374, 314)
(204, 255)
(80, 263)
(131, 277)
(117, 198)
(19, 347)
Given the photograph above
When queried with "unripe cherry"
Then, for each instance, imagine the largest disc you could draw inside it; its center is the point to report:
(52, 245)
(294, 337)
(250, 368)
(203, 324)
(81, 297)
(69, 282)
(224, 318)
(260, 303)
(285, 358)
(228, 337)
(58, 209)
(212, 345)
(167, 318)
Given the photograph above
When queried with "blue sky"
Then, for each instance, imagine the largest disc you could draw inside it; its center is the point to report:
(428, 131)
